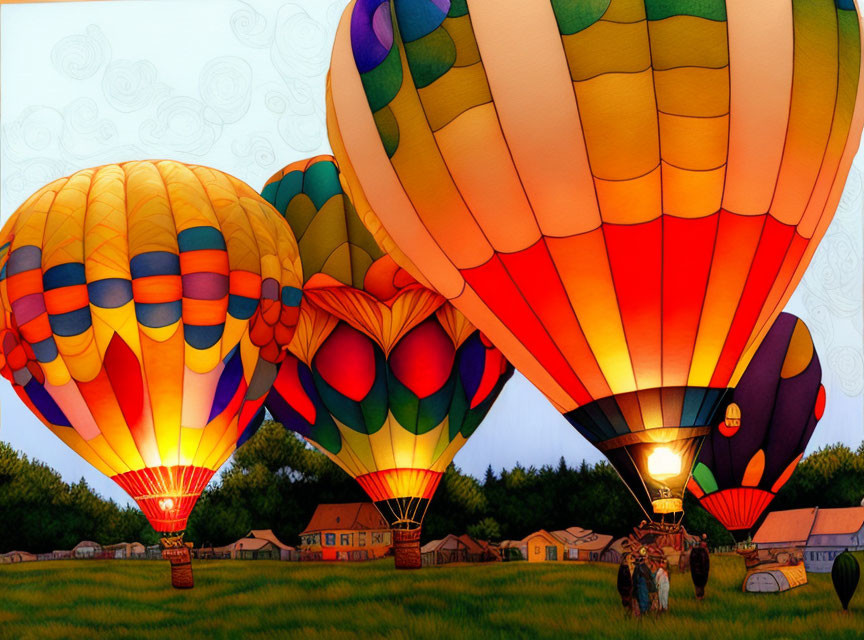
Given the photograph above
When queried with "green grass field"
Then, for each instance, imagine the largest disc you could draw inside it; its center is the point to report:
(233, 599)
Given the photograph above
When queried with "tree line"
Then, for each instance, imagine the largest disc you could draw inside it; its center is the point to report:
(276, 480)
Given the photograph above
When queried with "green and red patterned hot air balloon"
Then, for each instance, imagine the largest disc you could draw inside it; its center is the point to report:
(389, 380)
(620, 194)
(773, 413)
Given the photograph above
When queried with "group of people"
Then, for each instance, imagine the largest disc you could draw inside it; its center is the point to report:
(643, 577)
(644, 587)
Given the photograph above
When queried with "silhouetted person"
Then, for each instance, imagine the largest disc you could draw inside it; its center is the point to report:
(643, 585)
(625, 585)
(700, 565)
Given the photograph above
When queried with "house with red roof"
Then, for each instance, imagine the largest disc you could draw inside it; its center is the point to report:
(354, 531)
(591, 549)
(823, 534)
(833, 532)
(260, 544)
(785, 529)
(543, 546)
(453, 548)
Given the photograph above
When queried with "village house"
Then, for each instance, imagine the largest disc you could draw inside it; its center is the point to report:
(822, 534)
(573, 543)
(785, 529)
(579, 533)
(513, 550)
(255, 549)
(209, 552)
(286, 552)
(570, 540)
(614, 552)
(86, 549)
(354, 531)
(573, 537)
(259, 544)
(13, 557)
(591, 549)
(542, 546)
(454, 548)
(834, 531)
(126, 550)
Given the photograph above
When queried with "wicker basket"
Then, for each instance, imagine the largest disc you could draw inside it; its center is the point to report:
(406, 548)
(181, 567)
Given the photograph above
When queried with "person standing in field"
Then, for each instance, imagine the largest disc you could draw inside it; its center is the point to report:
(643, 585)
(625, 585)
(662, 579)
(700, 566)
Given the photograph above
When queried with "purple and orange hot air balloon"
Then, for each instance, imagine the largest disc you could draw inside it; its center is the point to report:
(772, 415)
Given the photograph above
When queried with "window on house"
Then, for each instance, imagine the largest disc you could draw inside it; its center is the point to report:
(377, 538)
(361, 539)
(329, 539)
(345, 540)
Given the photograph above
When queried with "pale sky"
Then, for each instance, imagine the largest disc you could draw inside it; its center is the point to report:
(240, 86)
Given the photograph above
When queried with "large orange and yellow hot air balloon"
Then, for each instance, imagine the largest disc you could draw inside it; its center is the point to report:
(387, 378)
(143, 311)
(621, 194)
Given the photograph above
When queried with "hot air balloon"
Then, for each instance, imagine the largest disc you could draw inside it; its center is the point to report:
(621, 195)
(845, 573)
(388, 380)
(774, 411)
(144, 310)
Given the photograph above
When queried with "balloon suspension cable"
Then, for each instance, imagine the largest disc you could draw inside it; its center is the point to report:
(406, 527)
(395, 515)
(405, 513)
(633, 493)
(417, 503)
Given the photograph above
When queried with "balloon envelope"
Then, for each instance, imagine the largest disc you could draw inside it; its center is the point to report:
(144, 307)
(621, 195)
(388, 380)
(772, 415)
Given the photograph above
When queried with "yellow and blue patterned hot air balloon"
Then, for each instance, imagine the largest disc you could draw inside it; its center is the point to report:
(143, 311)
